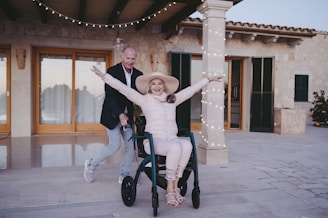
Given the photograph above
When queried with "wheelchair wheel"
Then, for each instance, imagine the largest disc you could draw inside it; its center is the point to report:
(195, 197)
(128, 191)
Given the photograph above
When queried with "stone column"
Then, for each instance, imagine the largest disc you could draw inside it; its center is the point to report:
(212, 149)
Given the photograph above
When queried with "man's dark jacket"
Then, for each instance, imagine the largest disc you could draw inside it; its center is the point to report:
(115, 103)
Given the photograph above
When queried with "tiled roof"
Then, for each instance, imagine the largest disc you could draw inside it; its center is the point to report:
(252, 31)
(255, 27)
(283, 30)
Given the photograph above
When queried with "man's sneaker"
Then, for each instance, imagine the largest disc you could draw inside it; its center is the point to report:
(88, 171)
(120, 179)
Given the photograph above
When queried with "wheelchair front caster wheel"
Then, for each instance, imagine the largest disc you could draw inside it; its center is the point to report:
(128, 191)
(195, 198)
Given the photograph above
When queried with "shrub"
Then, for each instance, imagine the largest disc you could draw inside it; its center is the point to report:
(320, 109)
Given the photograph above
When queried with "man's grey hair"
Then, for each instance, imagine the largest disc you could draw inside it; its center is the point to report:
(128, 47)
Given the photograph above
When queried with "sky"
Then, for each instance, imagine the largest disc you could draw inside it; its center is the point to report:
(312, 14)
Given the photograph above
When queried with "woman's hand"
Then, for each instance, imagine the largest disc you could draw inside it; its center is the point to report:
(215, 78)
(98, 72)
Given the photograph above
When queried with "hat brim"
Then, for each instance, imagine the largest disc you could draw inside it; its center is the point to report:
(171, 83)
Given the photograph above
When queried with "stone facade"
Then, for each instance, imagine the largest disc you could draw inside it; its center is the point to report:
(310, 58)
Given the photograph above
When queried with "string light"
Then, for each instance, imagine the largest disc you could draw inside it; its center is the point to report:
(212, 125)
(99, 25)
(217, 33)
(213, 128)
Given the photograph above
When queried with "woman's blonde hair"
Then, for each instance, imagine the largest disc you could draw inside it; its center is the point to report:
(149, 91)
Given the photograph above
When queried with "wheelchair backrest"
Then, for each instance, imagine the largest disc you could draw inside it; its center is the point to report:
(140, 123)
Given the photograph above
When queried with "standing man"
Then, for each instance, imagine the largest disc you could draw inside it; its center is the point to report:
(117, 117)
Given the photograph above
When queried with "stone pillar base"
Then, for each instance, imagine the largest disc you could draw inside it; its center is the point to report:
(212, 156)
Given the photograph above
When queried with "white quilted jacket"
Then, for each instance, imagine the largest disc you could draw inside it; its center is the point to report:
(160, 117)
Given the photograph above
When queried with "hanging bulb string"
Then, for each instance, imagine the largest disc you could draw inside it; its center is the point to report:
(120, 25)
(217, 34)
(209, 93)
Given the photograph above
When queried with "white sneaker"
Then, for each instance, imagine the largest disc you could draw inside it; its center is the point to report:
(120, 179)
(88, 172)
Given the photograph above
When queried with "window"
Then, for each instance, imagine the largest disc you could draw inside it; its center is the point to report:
(301, 87)
(68, 96)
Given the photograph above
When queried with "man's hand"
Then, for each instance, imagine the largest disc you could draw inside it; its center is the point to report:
(124, 119)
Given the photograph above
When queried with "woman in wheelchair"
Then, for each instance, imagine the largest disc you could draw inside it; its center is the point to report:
(158, 103)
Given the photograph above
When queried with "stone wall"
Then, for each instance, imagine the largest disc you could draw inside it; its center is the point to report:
(311, 58)
(147, 41)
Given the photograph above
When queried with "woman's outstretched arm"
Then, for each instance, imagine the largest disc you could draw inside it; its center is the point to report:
(98, 72)
(215, 78)
(189, 91)
(125, 90)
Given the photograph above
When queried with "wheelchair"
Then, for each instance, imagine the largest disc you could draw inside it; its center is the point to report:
(154, 165)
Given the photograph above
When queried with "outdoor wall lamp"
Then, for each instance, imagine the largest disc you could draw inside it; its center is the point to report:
(20, 55)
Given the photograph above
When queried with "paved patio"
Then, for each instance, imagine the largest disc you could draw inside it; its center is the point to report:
(268, 175)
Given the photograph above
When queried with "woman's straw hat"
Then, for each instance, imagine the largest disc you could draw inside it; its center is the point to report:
(171, 83)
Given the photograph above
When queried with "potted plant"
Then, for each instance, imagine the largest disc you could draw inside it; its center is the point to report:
(319, 111)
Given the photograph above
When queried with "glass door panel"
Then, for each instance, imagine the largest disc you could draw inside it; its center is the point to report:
(196, 99)
(226, 95)
(232, 93)
(235, 94)
(262, 95)
(56, 89)
(3, 88)
(89, 92)
(68, 95)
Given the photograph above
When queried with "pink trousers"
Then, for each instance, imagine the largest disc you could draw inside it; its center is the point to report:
(177, 152)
